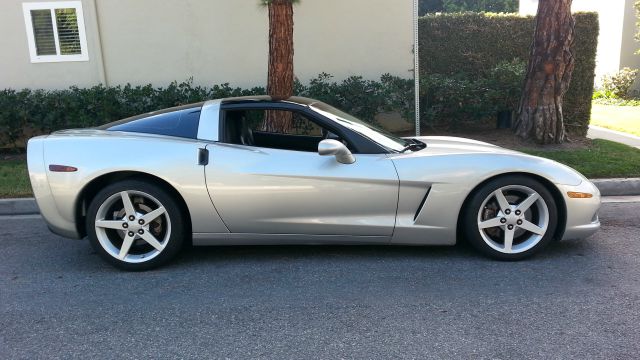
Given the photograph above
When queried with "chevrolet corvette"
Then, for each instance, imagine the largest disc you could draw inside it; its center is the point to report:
(215, 173)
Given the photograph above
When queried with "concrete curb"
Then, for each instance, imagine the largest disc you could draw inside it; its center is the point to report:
(26, 206)
(607, 187)
(618, 187)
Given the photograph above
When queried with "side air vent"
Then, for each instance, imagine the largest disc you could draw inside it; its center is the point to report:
(419, 209)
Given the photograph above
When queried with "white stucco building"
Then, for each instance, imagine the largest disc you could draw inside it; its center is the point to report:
(56, 44)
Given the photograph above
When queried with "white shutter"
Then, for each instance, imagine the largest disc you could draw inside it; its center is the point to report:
(68, 34)
(55, 31)
(43, 32)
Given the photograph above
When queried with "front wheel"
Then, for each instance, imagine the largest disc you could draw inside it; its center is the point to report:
(135, 225)
(510, 218)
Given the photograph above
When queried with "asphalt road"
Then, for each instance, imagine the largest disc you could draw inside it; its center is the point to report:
(580, 299)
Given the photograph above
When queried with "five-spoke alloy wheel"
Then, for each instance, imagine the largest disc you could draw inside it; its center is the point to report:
(135, 225)
(510, 218)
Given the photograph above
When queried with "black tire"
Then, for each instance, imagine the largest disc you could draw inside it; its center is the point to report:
(472, 216)
(173, 223)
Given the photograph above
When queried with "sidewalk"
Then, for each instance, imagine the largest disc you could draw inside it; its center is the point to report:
(596, 132)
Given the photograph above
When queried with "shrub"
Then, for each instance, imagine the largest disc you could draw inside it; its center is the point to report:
(430, 6)
(26, 113)
(505, 83)
(618, 85)
(363, 98)
(476, 43)
(456, 96)
(454, 100)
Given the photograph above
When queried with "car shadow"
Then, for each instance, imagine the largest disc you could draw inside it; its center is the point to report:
(462, 253)
(301, 252)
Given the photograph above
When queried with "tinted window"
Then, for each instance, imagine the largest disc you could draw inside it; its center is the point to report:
(180, 123)
(380, 136)
(256, 119)
(275, 129)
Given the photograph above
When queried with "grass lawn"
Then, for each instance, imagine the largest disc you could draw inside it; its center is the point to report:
(604, 159)
(14, 179)
(621, 118)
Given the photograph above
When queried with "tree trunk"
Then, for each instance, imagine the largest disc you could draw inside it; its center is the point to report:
(278, 121)
(548, 76)
(280, 76)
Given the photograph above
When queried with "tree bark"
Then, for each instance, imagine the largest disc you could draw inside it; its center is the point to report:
(551, 64)
(280, 76)
(278, 121)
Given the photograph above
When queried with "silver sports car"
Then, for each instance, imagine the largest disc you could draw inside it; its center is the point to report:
(216, 173)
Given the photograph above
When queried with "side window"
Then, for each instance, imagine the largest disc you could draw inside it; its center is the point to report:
(179, 123)
(278, 129)
(290, 123)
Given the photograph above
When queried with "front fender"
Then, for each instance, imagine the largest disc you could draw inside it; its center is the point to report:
(449, 179)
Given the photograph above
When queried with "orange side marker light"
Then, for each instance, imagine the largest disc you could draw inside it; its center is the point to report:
(579, 195)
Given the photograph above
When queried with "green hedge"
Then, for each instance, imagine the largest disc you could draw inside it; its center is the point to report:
(449, 6)
(26, 113)
(469, 46)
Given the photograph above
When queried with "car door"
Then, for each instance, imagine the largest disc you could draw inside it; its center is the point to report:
(269, 190)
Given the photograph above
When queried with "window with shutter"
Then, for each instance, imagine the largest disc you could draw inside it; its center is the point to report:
(55, 31)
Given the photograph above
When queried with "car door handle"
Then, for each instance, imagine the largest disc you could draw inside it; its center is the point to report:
(203, 156)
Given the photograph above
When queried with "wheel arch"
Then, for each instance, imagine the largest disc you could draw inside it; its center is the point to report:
(555, 192)
(94, 186)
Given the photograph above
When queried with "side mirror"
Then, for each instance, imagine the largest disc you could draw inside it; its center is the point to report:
(335, 147)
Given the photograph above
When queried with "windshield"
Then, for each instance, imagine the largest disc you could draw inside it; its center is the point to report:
(380, 136)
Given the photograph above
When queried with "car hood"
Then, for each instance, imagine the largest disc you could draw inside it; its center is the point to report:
(481, 159)
(438, 145)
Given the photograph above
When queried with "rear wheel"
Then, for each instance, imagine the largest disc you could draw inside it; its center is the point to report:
(510, 218)
(135, 225)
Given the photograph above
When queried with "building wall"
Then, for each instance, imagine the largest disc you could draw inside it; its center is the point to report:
(16, 69)
(629, 46)
(346, 37)
(211, 41)
(214, 41)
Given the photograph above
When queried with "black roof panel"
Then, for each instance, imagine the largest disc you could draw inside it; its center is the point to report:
(266, 98)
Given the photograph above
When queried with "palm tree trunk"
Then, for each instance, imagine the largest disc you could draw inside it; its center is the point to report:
(280, 76)
(548, 74)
